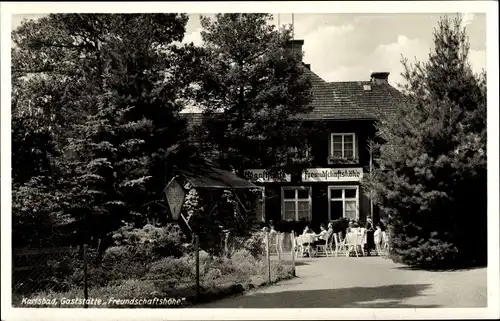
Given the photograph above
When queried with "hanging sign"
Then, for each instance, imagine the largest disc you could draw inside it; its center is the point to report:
(332, 174)
(175, 197)
(264, 176)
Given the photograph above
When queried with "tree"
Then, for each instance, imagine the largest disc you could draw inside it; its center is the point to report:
(430, 177)
(118, 91)
(254, 86)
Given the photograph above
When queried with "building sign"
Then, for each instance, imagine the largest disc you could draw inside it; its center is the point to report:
(175, 197)
(332, 174)
(264, 176)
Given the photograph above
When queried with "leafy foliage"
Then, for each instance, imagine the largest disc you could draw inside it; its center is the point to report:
(95, 106)
(431, 173)
(251, 86)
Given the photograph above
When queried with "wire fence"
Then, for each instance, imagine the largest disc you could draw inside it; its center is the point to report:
(128, 271)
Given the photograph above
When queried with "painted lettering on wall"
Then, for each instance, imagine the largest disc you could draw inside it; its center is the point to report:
(332, 174)
(262, 175)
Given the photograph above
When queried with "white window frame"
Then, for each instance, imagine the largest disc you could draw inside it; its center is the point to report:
(354, 154)
(343, 198)
(296, 199)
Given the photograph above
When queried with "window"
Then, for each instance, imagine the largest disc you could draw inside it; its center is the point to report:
(302, 152)
(343, 146)
(343, 202)
(296, 203)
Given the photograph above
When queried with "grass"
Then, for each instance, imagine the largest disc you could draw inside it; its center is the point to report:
(170, 283)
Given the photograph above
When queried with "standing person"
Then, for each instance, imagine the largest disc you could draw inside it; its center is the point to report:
(369, 235)
(377, 237)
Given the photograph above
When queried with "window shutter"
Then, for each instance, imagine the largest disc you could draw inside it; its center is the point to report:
(356, 146)
(329, 144)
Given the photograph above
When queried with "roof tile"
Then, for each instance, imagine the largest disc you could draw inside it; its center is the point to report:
(347, 100)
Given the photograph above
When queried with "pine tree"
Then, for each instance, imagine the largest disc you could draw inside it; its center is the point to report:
(121, 91)
(431, 173)
(255, 85)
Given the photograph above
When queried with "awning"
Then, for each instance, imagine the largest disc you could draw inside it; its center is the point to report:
(211, 177)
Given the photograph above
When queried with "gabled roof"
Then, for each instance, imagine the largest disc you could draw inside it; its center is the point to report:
(349, 99)
(346, 100)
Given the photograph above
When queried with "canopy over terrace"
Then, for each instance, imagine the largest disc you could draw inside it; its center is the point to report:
(211, 183)
(210, 177)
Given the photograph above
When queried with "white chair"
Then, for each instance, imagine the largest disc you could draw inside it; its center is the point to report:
(323, 248)
(385, 243)
(377, 239)
(362, 240)
(307, 242)
(274, 243)
(299, 246)
(330, 242)
(350, 243)
(353, 243)
(339, 244)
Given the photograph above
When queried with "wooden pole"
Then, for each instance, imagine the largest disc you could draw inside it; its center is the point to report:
(292, 237)
(197, 253)
(278, 245)
(85, 277)
(268, 256)
(85, 259)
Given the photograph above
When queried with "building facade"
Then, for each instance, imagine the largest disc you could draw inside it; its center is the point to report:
(331, 188)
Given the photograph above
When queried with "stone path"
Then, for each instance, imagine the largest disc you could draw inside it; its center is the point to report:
(370, 282)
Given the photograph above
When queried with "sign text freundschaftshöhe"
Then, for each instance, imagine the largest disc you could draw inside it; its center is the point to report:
(332, 174)
(262, 175)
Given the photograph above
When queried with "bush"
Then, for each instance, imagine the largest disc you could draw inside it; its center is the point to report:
(340, 225)
(172, 276)
(153, 241)
(254, 245)
(291, 226)
(171, 268)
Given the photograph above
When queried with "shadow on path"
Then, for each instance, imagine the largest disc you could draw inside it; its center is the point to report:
(415, 268)
(355, 297)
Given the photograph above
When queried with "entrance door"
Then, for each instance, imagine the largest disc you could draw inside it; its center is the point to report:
(343, 202)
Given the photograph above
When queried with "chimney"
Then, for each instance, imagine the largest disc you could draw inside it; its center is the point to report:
(380, 78)
(295, 45)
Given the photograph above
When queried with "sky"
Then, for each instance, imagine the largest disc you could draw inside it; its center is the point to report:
(348, 47)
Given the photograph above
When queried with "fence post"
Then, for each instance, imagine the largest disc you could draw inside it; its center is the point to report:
(197, 257)
(279, 244)
(292, 239)
(268, 257)
(85, 277)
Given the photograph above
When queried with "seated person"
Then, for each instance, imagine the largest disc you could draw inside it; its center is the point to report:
(350, 227)
(330, 228)
(271, 227)
(322, 236)
(307, 231)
